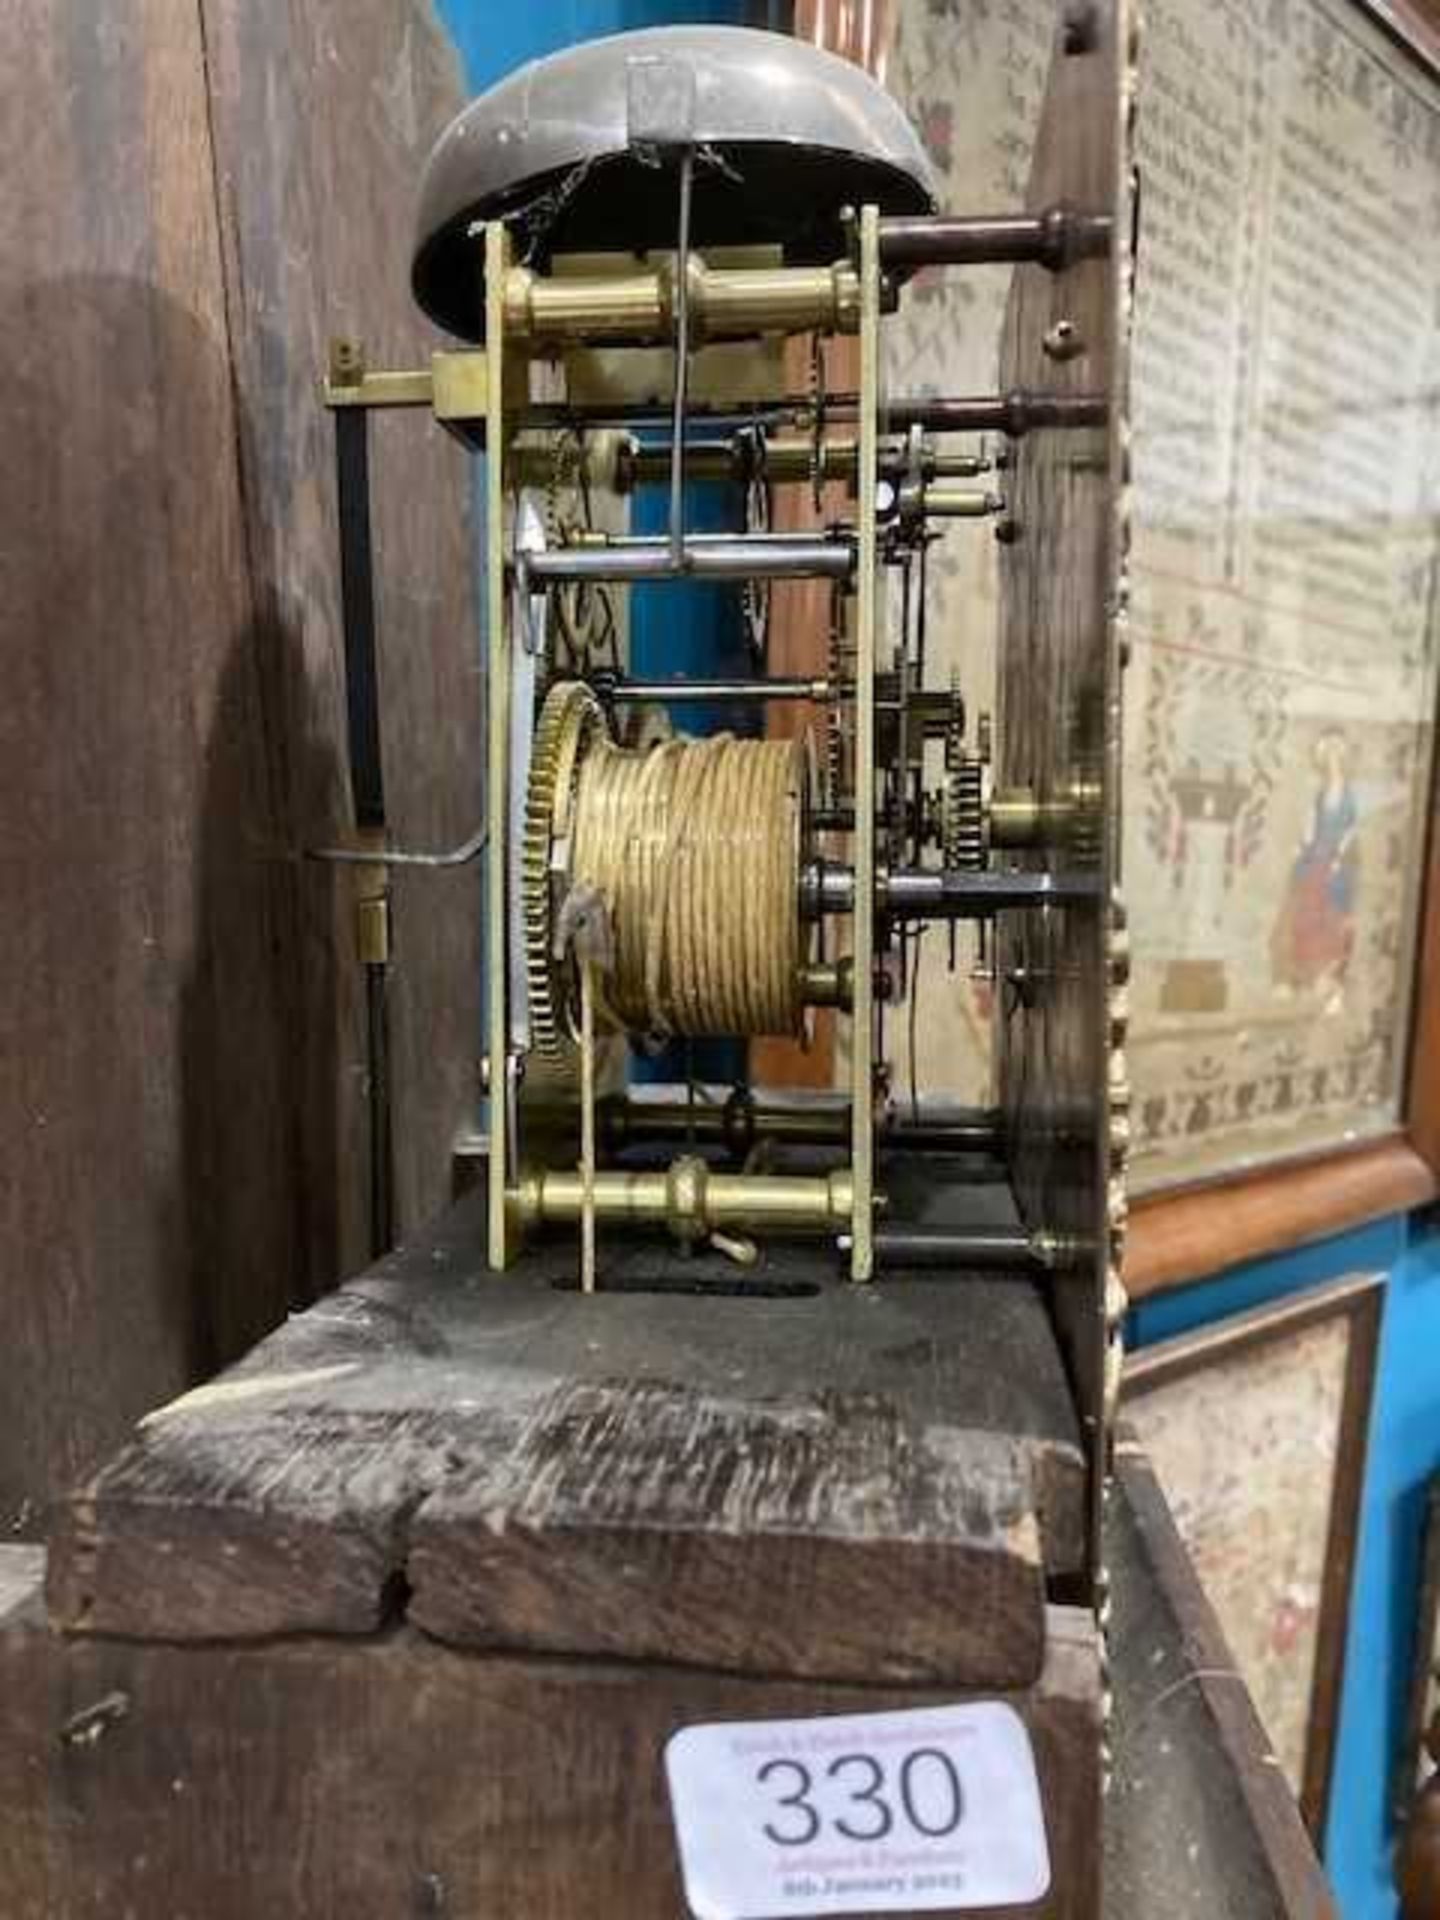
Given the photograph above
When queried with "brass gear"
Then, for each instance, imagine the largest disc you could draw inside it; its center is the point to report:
(965, 800)
(569, 720)
(836, 766)
(965, 828)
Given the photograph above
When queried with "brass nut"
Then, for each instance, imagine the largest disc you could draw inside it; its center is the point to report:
(459, 385)
(685, 1192)
(372, 930)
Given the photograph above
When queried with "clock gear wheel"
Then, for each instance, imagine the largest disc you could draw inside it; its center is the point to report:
(964, 816)
(570, 719)
(839, 667)
(965, 799)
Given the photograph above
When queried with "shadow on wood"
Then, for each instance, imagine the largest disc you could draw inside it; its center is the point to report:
(171, 1181)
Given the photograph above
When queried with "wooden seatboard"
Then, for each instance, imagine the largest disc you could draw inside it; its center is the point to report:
(852, 1483)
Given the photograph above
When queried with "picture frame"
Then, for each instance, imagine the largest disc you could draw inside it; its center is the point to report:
(1187, 1230)
(1422, 1699)
(1360, 1165)
(1277, 1374)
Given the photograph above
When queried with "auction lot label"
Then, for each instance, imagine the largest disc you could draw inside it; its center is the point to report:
(925, 1810)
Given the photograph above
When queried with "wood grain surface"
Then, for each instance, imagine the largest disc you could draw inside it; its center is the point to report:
(872, 1482)
(392, 1775)
(1180, 1237)
(323, 117)
(197, 196)
(1201, 1821)
(148, 1212)
(395, 1776)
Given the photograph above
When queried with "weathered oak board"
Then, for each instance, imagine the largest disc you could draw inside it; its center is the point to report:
(323, 116)
(197, 196)
(1199, 1819)
(394, 1776)
(131, 755)
(845, 1483)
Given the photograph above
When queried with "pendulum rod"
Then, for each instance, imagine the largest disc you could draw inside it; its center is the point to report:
(862, 1147)
(497, 783)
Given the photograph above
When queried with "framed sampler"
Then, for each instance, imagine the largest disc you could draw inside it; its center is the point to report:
(1282, 884)
(1256, 1430)
(1286, 1047)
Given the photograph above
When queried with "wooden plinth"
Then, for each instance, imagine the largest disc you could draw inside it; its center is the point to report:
(836, 1483)
(322, 1777)
(398, 1615)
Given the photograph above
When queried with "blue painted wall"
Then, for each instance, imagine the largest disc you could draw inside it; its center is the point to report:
(694, 629)
(1405, 1435)
(672, 630)
(493, 37)
(1404, 1450)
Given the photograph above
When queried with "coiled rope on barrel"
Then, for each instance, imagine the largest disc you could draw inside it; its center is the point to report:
(694, 846)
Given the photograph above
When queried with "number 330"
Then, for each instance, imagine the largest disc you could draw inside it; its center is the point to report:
(931, 1797)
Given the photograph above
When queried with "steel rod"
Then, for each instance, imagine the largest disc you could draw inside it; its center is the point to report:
(382, 1171)
(867, 613)
(721, 556)
(981, 1135)
(498, 608)
(1012, 414)
(1056, 239)
(942, 893)
(682, 367)
(957, 893)
(631, 691)
(549, 416)
(460, 856)
(783, 460)
(1009, 1249)
(741, 1121)
(357, 617)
